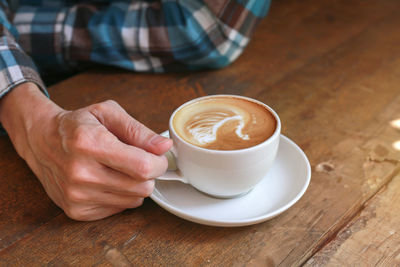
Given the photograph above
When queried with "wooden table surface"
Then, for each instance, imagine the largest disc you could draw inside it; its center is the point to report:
(331, 69)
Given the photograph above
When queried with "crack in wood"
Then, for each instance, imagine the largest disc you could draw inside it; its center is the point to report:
(333, 232)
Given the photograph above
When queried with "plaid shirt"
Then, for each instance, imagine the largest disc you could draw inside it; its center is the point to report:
(37, 36)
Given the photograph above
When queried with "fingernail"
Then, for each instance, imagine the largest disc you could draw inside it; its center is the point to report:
(158, 139)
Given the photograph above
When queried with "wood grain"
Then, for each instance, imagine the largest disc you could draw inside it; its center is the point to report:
(371, 238)
(331, 69)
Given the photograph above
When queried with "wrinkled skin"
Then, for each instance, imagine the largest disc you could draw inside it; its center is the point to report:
(93, 162)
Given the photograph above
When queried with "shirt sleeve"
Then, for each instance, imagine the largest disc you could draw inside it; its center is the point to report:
(150, 36)
(16, 66)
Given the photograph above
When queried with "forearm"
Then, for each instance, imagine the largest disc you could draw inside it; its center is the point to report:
(22, 109)
(16, 71)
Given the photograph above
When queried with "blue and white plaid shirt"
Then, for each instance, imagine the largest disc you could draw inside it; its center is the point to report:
(140, 35)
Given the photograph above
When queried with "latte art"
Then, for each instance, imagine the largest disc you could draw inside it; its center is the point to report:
(224, 123)
(205, 126)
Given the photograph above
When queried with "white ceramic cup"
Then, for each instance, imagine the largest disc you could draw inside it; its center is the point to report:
(222, 173)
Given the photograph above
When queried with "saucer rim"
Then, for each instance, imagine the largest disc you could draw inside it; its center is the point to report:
(238, 222)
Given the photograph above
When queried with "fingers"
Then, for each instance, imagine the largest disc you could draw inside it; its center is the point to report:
(90, 213)
(112, 161)
(133, 161)
(85, 202)
(106, 179)
(129, 130)
(91, 196)
(90, 201)
(99, 144)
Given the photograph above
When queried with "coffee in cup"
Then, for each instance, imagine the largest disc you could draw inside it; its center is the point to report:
(224, 145)
(224, 123)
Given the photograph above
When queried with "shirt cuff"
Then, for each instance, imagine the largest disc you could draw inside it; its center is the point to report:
(16, 67)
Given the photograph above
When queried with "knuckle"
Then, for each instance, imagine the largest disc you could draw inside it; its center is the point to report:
(76, 173)
(105, 106)
(137, 202)
(144, 167)
(80, 142)
(72, 195)
(135, 129)
(103, 136)
(75, 213)
(147, 188)
(164, 165)
(111, 103)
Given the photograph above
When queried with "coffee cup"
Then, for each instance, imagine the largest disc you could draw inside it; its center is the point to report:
(224, 145)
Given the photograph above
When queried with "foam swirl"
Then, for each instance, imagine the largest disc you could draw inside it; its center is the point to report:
(224, 123)
(205, 126)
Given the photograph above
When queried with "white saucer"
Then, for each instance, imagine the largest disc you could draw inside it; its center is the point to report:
(282, 187)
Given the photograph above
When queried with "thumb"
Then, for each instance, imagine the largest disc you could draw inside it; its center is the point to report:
(129, 130)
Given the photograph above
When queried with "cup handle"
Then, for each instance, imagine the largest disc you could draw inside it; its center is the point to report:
(173, 173)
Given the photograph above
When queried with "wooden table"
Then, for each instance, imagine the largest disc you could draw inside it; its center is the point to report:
(331, 69)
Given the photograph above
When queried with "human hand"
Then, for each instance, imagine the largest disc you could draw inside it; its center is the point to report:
(92, 162)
